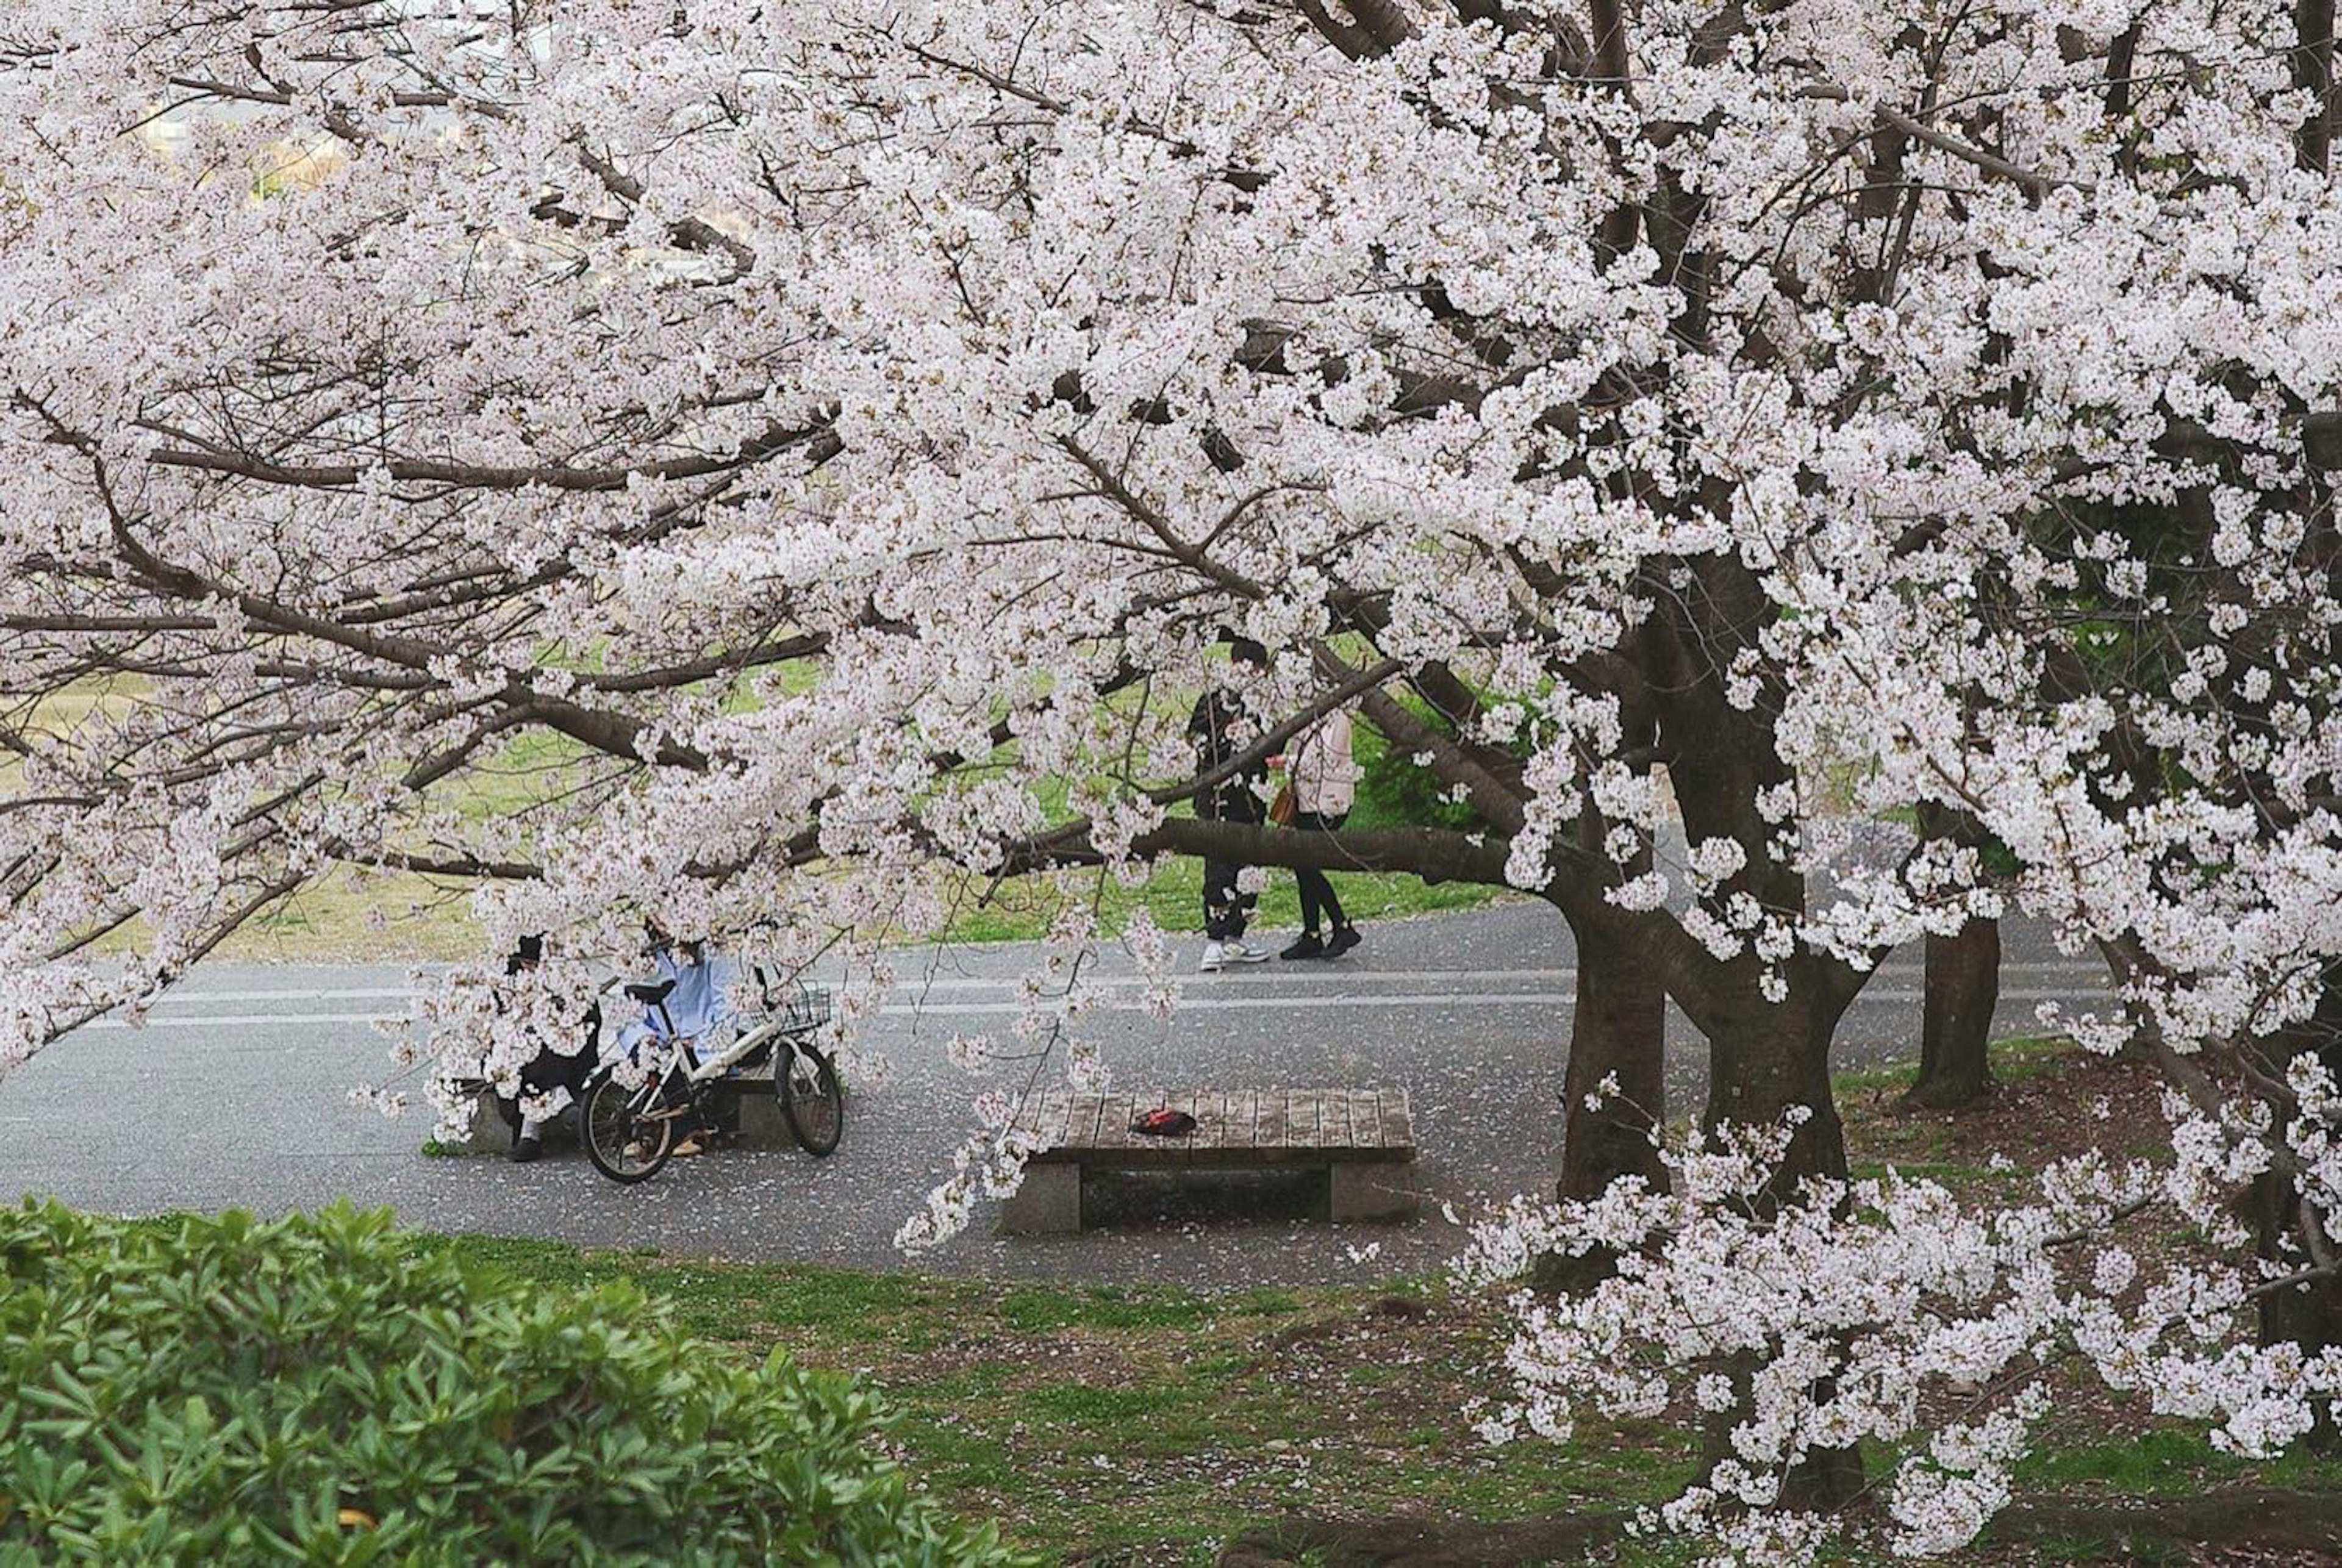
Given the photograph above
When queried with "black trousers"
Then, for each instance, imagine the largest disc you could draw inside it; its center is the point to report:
(550, 1069)
(1318, 899)
(1226, 910)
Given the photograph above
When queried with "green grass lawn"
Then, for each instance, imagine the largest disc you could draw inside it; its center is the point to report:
(1112, 1423)
(1146, 1423)
(1174, 896)
(1150, 1424)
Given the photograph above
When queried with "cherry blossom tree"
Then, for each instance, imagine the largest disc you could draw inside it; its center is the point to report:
(829, 432)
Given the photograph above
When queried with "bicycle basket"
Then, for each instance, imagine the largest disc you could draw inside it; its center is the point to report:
(787, 1001)
(802, 1006)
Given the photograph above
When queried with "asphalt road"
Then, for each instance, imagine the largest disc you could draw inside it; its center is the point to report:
(234, 1094)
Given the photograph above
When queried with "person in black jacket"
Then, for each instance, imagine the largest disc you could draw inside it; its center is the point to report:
(1217, 725)
(550, 1069)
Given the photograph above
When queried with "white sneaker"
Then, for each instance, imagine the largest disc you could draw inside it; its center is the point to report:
(1213, 956)
(1246, 952)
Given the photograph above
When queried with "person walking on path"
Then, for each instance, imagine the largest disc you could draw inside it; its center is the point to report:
(1324, 781)
(1216, 725)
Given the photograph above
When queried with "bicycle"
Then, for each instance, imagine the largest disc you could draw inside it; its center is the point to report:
(629, 1117)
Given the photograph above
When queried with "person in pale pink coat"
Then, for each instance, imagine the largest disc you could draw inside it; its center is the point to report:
(1325, 780)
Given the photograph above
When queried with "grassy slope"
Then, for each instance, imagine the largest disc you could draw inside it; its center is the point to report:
(347, 915)
(1151, 1425)
(400, 916)
(405, 916)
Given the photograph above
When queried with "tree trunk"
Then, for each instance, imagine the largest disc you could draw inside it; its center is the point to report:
(1963, 988)
(1764, 1060)
(1767, 1059)
(2311, 1316)
(1824, 1482)
(1618, 1029)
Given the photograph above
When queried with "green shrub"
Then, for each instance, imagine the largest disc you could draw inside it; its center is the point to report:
(317, 1390)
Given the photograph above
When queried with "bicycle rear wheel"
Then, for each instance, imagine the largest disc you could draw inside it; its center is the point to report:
(624, 1142)
(811, 1102)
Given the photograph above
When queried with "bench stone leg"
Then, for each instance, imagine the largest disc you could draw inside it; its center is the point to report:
(1369, 1193)
(761, 1126)
(1049, 1200)
(489, 1135)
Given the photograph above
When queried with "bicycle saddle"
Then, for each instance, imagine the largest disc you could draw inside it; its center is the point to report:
(651, 994)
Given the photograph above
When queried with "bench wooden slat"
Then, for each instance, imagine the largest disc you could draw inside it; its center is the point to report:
(1211, 1115)
(1398, 1122)
(1268, 1121)
(1081, 1129)
(1301, 1119)
(1365, 1119)
(1244, 1116)
(1113, 1115)
(1334, 1121)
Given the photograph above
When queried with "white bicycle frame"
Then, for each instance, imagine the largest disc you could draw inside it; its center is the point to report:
(744, 1044)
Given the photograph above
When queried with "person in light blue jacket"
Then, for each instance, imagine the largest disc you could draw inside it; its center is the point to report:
(699, 1007)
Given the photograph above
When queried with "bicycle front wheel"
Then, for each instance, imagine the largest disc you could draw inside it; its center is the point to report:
(626, 1142)
(811, 1102)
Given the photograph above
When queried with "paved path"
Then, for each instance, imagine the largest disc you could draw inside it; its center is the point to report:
(234, 1094)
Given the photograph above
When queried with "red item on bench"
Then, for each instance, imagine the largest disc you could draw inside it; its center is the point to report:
(1163, 1122)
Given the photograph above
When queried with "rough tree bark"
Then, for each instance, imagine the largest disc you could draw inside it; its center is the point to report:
(1617, 1030)
(1961, 991)
(2310, 1315)
(1767, 1059)
(1963, 988)
(2313, 71)
(2288, 1233)
(1769, 1054)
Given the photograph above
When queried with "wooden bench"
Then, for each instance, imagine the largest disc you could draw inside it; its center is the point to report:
(1363, 1138)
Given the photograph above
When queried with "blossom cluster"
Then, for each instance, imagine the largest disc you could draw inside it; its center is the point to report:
(1881, 1312)
(787, 470)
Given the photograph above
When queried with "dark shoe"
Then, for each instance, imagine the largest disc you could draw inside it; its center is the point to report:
(524, 1150)
(1307, 947)
(1344, 939)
